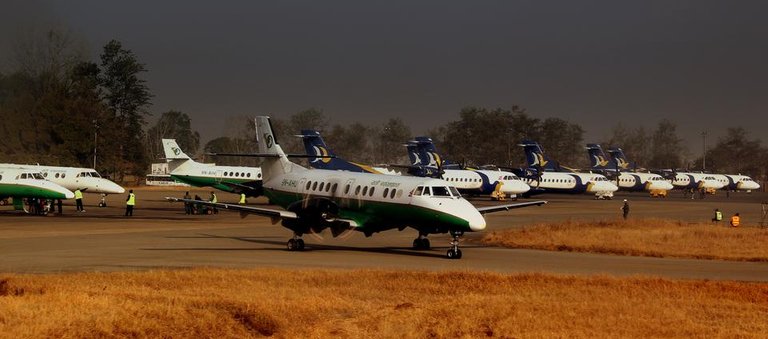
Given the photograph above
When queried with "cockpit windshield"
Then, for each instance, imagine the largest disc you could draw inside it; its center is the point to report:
(441, 191)
(36, 176)
(436, 191)
(95, 174)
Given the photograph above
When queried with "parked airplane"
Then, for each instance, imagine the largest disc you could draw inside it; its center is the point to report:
(19, 183)
(326, 159)
(370, 203)
(424, 157)
(680, 180)
(233, 179)
(547, 175)
(736, 182)
(74, 178)
(625, 178)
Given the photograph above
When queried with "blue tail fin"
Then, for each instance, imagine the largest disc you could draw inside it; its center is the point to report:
(621, 160)
(536, 158)
(314, 145)
(597, 158)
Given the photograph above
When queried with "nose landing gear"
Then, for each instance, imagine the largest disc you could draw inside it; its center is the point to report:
(296, 243)
(454, 252)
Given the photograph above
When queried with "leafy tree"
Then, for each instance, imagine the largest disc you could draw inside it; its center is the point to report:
(666, 146)
(127, 97)
(563, 141)
(735, 153)
(352, 143)
(390, 138)
(173, 125)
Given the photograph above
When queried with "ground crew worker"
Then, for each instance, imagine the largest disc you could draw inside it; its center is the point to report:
(735, 220)
(129, 203)
(242, 199)
(718, 216)
(214, 200)
(625, 209)
(187, 205)
(79, 200)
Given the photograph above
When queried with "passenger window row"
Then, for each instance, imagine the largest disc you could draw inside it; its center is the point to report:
(359, 190)
(240, 175)
(463, 179)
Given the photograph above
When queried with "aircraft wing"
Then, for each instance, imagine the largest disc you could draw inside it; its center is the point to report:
(239, 188)
(274, 214)
(507, 207)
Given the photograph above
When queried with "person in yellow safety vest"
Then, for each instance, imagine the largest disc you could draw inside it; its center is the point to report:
(129, 203)
(242, 199)
(79, 200)
(735, 220)
(718, 216)
(214, 200)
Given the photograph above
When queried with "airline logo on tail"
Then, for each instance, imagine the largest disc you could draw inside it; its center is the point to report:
(269, 140)
(176, 150)
(538, 159)
(623, 164)
(600, 161)
(322, 154)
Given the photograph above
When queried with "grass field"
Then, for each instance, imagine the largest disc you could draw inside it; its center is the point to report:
(313, 303)
(641, 237)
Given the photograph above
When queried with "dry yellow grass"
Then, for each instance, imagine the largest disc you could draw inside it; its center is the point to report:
(642, 237)
(300, 303)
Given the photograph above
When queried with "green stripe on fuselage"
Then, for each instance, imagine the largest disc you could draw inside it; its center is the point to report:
(24, 191)
(216, 183)
(376, 216)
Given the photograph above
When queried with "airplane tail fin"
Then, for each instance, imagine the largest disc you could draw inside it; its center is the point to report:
(597, 158)
(314, 145)
(275, 162)
(325, 158)
(535, 156)
(173, 151)
(174, 155)
(621, 160)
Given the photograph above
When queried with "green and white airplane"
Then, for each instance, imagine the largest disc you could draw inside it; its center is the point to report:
(232, 179)
(19, 183)
(73, 178)
(366, 202)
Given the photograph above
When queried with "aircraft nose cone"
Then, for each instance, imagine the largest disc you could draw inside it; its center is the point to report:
(476, 222)
(68, 194)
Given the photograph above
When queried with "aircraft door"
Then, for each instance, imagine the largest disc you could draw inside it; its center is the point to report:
(347, 191)
(219, 176)
(302, 186)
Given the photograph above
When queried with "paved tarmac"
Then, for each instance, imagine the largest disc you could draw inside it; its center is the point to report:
(161, 236)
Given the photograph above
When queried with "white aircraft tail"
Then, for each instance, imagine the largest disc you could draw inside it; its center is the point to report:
(276, 162)
(174, 155)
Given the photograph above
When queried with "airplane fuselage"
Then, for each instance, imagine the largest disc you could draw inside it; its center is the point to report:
(736, 182)
(689, 180)
(233, 179)
(568, 182)
(485, 181)
(26, 183)
(377, 202)
(86, 179)
(641, 181)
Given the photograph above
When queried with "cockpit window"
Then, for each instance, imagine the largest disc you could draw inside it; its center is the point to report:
(440, 191)
(454, 192)
(417, 191)
(95, 174)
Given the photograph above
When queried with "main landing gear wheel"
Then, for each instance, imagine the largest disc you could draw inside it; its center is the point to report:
(454, 252)
(296, 244)
(421, 243)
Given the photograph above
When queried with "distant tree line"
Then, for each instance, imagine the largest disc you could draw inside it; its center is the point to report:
(56, 106)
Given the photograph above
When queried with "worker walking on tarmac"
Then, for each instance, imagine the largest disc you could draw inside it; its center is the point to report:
(735, 220)
(187, 205)
(718, 216)
(79, 200)
(129, 203)
(242, 199)
(625, 209)
(214, 200)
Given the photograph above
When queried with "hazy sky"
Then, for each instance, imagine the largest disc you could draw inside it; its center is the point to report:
(702, 64)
